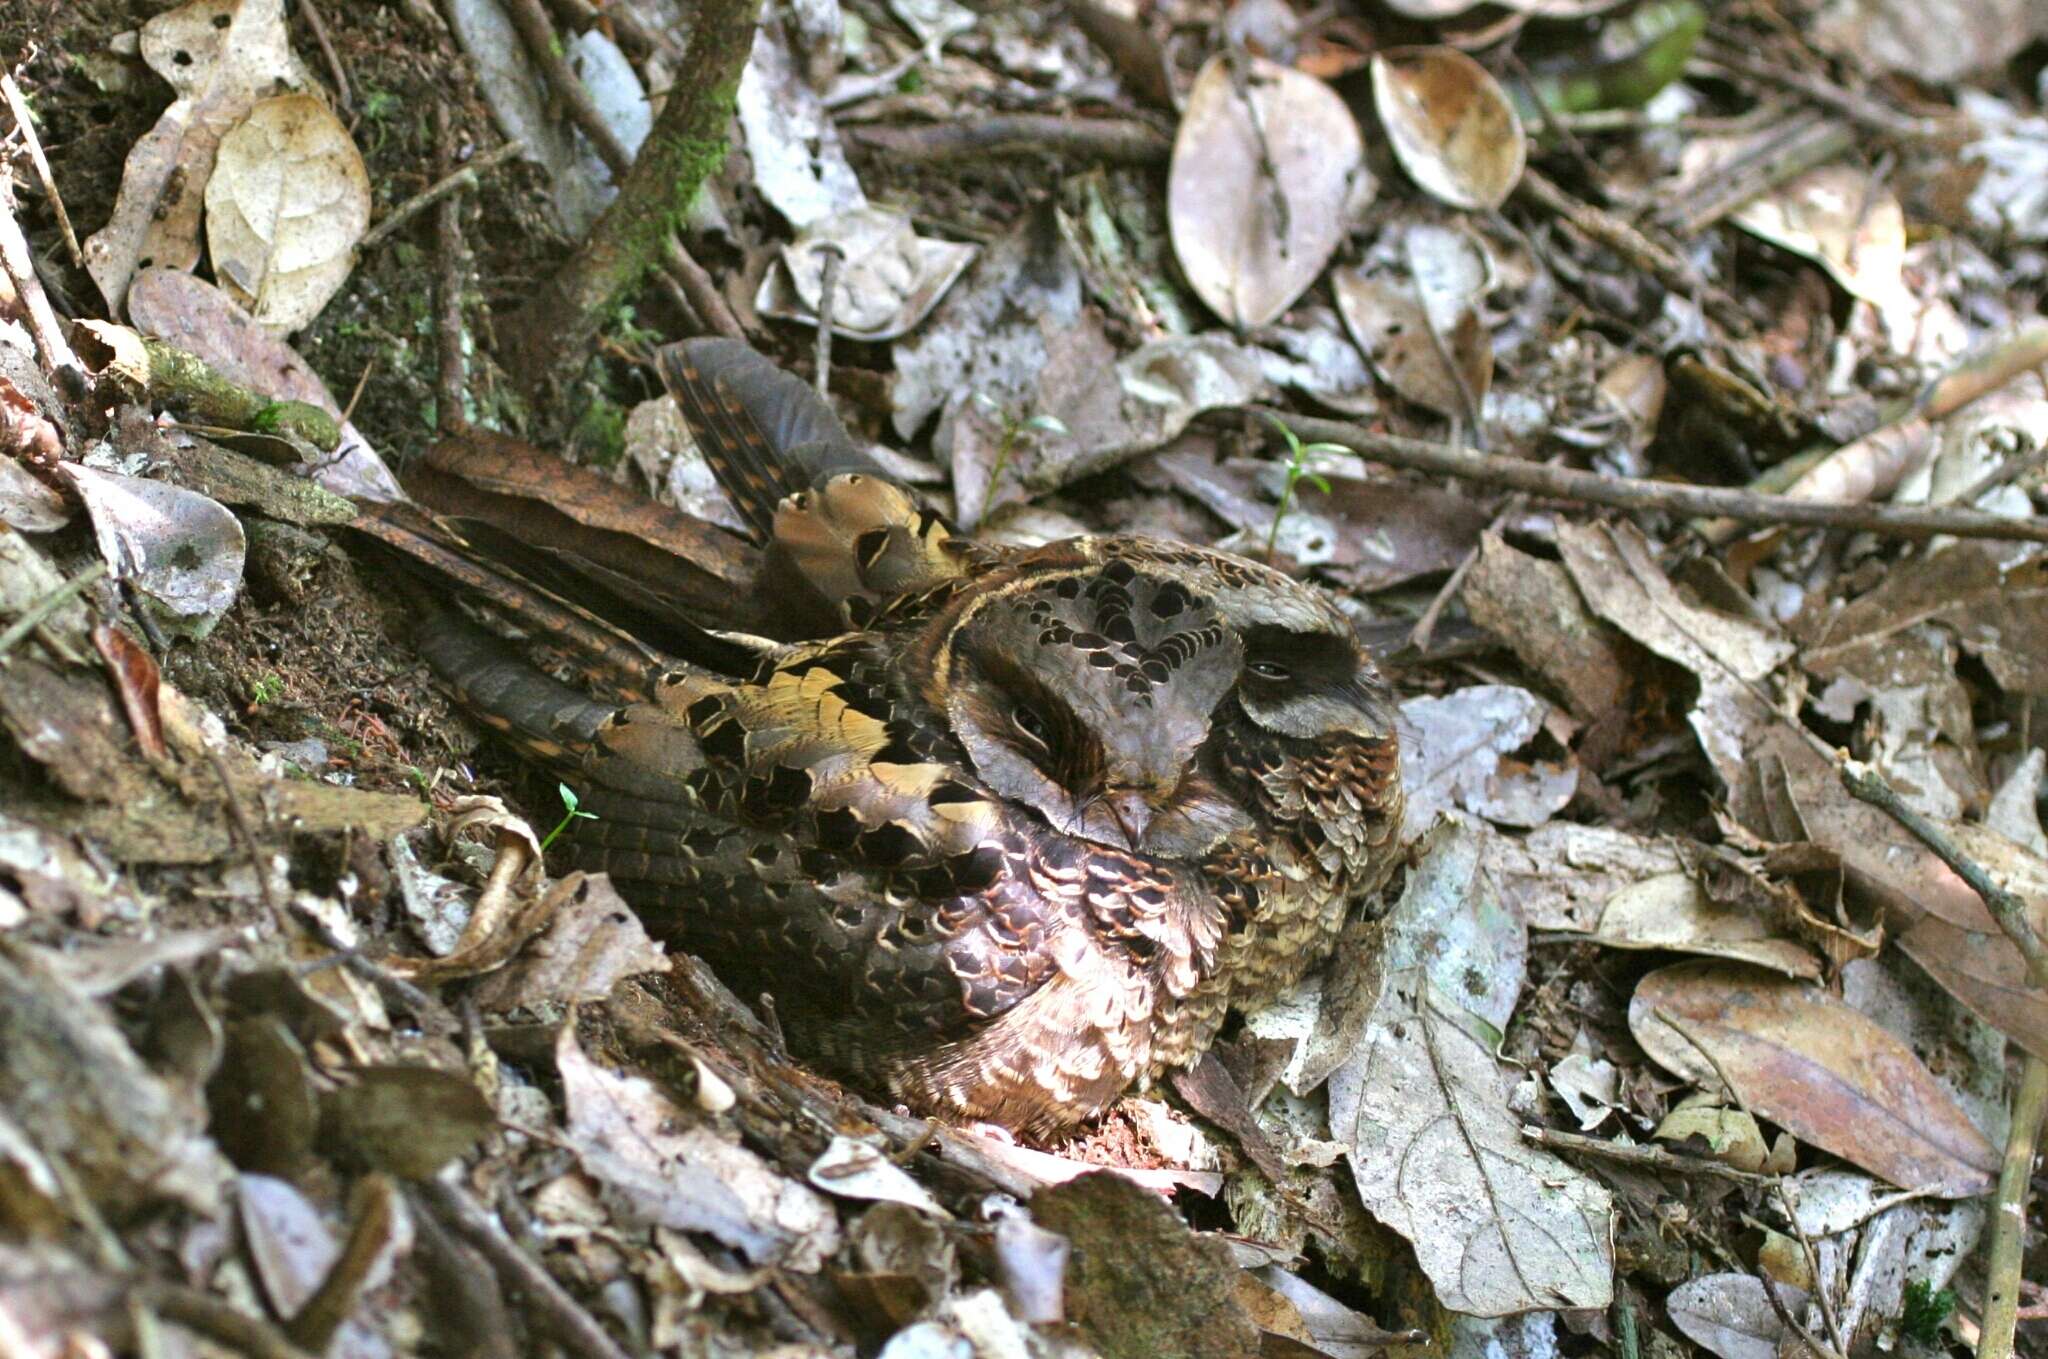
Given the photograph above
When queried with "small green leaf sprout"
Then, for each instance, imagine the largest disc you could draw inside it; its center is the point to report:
(572, 810)
(1298, 471)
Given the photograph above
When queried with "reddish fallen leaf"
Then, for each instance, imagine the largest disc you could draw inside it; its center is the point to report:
(137, 681)
(1825, 1072)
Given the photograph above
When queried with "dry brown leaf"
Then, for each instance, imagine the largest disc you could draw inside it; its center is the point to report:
(1268, 172)
(1420, 323)
(1452, 127)
(288, 200)
(1825, 1072)
(220, 56)
(667, 1169)
(593, 942)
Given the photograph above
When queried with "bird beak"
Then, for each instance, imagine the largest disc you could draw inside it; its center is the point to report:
(1132, 811)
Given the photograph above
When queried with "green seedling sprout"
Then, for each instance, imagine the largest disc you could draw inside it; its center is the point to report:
(572, 810)
(1014, 433)
(1298, 471)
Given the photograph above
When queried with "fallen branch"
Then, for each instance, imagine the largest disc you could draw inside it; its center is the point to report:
(1121, 141)
(2003, 1253)
(1664, 497)
(686, 145)
(181, 381)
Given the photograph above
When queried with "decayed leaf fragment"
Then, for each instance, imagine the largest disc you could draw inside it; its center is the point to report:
(1420, 323)
(287, 202)
(1453, 128)
(1268, 171)
(1825, 1072)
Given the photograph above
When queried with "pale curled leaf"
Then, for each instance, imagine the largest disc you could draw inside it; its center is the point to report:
(1826, 1073)
(1729, 1316)
(1463, 755)
(1452, 127)
(1672, 911)
(888, 280)
(1842, 220)
(288, 201)
(1267, 174)
(1498, 1225)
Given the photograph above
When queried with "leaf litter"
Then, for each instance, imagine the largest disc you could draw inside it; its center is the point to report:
(1602, 718)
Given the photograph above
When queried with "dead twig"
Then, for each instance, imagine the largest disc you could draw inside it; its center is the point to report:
(34, 615)
(468, 177)
(1665, 265)
(451, 380)
(548, 1304)
(1860, 109)
(341, 90)
(1118, 141)
(2003, 1254)
(699, 290)
(1626, 493)
(1800, 143)
(218, 1321)
(1639, 1156)
(18, 107)
(544, 45)
(2006, 907)
(59, 362)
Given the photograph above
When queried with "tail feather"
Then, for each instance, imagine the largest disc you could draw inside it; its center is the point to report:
(765, 433)
(545, 718)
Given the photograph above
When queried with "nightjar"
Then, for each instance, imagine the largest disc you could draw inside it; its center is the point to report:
(1002, 831)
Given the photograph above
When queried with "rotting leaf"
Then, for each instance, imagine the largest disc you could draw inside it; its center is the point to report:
(1139, 1283)
(288, 200)
(1851, 226)
(1672, 911)
(138, 683)
(202, 320)
(1268, 172)
(888, 281)
(181, 549)
(1418, 320)
(593, 941)
(1452, 126)
(409, 1120)
(1463, 755)
(1498, 1225)
(1730, 1317)
(1826, 1073)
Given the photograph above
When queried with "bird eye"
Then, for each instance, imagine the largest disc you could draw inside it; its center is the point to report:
(1269, 670)
(1031, 726)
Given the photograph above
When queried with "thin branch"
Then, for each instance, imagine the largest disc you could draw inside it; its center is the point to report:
(33, 616)
(544, 45)
(549, 1304)
(1119, 141)
(2003, 1254)
(2006, 907)
(1627, 493)
(1641, 1157)
(18, 107)
(699, 290)
(19, 266)
(465, 178)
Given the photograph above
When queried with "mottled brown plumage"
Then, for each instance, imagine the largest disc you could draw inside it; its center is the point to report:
(1013, 833)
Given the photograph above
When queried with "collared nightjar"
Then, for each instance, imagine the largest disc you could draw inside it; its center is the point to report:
(1002, 830)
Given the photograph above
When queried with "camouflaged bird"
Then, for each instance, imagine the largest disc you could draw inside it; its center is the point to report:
(1002, 831)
